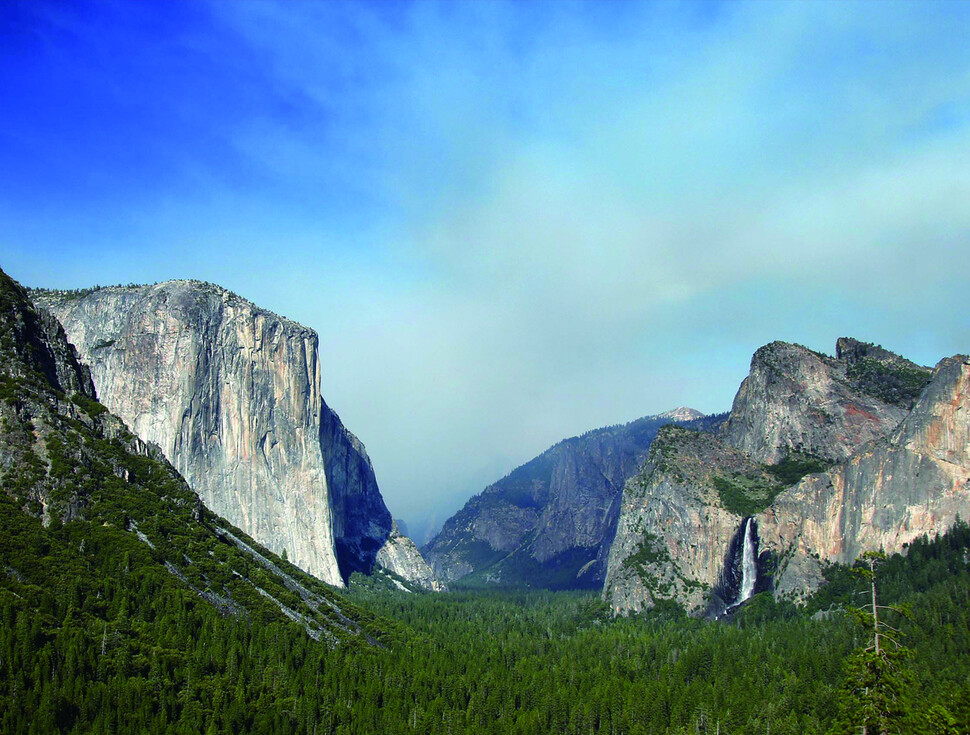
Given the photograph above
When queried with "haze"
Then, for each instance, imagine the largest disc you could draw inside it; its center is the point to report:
(509, 222)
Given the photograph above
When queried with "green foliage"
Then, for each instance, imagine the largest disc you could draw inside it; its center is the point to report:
(478, 553)
(745, 495)
(877, 693)
(649, 551)
(927, 564)
(521, 569)
(897, 384)
(749, 494)
(90, 406)
(74, 294)
(467, 662)
(763, 608)
(921, 688)
(795, 466)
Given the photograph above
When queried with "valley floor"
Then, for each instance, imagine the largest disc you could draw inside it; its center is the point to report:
(502, 662)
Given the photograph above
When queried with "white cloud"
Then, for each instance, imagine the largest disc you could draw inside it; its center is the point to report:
(588, 236)
(514, 222)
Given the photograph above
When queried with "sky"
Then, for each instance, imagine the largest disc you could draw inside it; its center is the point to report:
(509, 223)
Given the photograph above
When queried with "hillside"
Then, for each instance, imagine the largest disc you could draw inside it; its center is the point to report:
(126, 603)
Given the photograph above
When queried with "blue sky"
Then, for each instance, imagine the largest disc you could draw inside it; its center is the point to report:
(509, 222)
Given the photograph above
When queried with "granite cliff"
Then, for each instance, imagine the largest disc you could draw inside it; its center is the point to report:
(829, 457)
(231, 394)
(91, 514)
(677, 519)
(795, 399)
(912, 482)
(550, 522)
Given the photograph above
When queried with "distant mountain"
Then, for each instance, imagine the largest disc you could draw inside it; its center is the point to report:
(550, 522)
(681, 414)
(231, 394)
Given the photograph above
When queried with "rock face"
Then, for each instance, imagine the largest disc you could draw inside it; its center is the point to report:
(895, 437)
(231, 393)
(670, 512)
(65, 458)
(913, 482)
(551, 521)
(35, 341)
(795, 399)
(400, 555)
(362, 523)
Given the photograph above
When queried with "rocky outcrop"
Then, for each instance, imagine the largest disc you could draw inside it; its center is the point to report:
(798, 400)
(551, 521)
(896, 439)
(913, 482)
(231, 393)
(878, 372)
(673, 522)
(400, 555)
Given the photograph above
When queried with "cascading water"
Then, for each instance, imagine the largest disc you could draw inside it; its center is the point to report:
(740, 576)
(749, 564)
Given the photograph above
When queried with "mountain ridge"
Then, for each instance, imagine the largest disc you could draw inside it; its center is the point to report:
(549, 522)
(829, 463)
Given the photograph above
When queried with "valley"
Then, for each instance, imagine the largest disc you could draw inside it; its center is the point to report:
(484, 367)
(128, 604)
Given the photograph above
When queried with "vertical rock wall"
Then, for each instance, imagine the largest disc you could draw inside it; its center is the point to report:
(362, 523)
(915, 481)
(231, 394)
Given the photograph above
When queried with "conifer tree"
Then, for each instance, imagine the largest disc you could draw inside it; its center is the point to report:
(875, 693)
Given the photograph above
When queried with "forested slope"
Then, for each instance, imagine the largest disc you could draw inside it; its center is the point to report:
(125, 604)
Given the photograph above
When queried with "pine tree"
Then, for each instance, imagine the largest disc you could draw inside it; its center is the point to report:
(875, 693)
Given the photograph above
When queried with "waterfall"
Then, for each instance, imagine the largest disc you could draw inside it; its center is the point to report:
(749, 563)
(739, 577)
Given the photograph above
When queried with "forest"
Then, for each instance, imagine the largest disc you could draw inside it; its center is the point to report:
(126, 606)
(128, 652)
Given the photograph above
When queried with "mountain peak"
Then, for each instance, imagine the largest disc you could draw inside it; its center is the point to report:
(681, 413)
